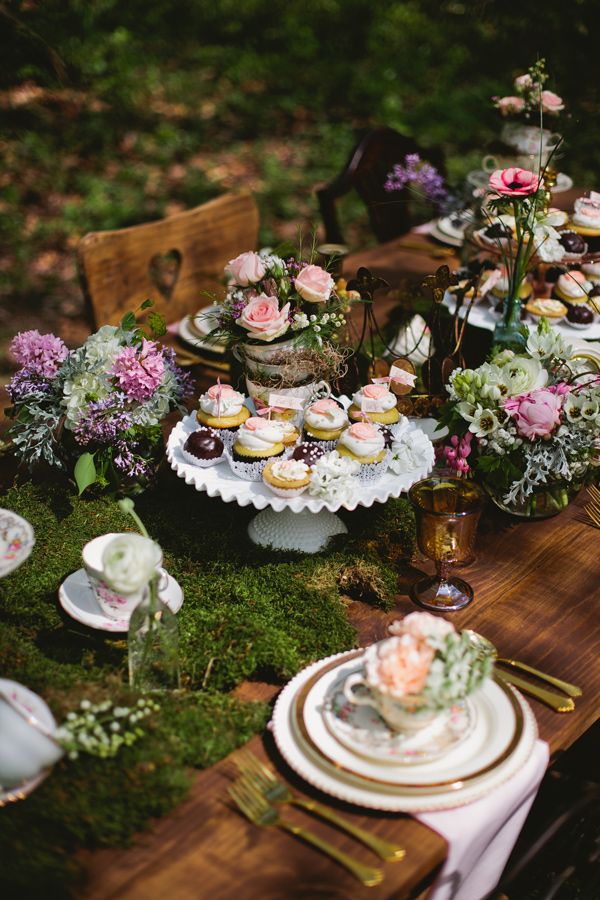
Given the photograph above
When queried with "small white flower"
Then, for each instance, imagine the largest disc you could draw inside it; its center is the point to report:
(483, 422)
(129, 562)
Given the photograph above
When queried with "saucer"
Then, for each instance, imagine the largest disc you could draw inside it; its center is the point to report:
(37, 707)
(77, 598)
(16, 541)
(362, 730)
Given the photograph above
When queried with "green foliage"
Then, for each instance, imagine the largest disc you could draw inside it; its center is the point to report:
(85, 472)
(248, 613)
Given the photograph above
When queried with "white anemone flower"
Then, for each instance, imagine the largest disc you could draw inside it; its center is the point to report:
(545, 345)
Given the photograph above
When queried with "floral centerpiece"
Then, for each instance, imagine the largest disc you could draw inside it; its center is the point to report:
(94, 412)
(525, 425)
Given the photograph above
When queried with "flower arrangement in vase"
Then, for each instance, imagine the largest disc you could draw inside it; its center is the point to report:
(95, 412)
(525, 425)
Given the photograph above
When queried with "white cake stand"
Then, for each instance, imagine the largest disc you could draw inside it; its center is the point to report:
(303, 523)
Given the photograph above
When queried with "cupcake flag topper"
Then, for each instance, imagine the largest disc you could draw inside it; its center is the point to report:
(402, 376)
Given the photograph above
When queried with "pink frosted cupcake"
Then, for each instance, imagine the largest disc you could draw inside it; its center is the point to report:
(381, 405)
(365, 443)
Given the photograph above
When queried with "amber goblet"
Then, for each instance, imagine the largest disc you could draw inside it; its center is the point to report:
(447, 511)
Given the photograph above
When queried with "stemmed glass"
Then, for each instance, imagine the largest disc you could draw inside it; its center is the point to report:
(447, 511)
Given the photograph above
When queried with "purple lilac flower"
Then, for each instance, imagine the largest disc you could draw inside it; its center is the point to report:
(129, 464)
(26, 383)
(185, 383)
(419, 174)
(103, 421)
(139, 371)
(41, 353)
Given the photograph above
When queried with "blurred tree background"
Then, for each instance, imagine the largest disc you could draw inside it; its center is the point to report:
(116, 113)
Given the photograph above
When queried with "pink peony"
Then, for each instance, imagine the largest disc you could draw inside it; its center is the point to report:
(139, 370)
(263, 318)
(375, 391)
(247, 268)
(514, 182)
(536, 414)
(402, 665)
(523, 82)
(314, 284)
(41, 353)
(551, 102)
(510, 105)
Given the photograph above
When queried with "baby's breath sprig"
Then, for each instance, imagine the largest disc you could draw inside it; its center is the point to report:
(101, 729)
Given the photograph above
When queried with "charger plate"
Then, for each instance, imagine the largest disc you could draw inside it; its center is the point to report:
(195, 328)
(418, 788)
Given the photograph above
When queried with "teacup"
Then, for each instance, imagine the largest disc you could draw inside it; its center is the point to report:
(113, 604)
(27, 748)
(409, 713)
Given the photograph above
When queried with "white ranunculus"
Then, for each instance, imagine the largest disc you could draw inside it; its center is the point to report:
(524, 375)
(410, 450)
(129, 562)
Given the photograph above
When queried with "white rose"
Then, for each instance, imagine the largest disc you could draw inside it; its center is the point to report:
(129, 562)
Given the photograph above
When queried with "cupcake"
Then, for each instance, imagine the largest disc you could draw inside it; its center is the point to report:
(580, 316)
(257, 439)
(572, 287)
(550, 309)
(585, 220)
(309, 452)
(498, 232)
(203, 448)
(324, 420)
(287, 477)
(222, 407)
(364, 443)
(591, 271)
(381, 404)
(573, 243)
(291, 435)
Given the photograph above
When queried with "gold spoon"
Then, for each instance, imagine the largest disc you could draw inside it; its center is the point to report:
(570, 689)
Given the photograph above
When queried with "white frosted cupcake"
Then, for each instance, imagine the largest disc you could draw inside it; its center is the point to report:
(591, 271)
(324, 421)
(222, 408)
(572, 287)
(287, 477)
(256, 442)
(365, 443)
(549, 309)
(382, 404)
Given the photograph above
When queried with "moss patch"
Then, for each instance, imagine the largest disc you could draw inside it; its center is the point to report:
(247, 613)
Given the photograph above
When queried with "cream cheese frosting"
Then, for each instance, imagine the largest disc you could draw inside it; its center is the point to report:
(259, 434)
(289, 470)
(221, 400)
(573, 285)
(362, 439)
(378, 394)
(325, 415)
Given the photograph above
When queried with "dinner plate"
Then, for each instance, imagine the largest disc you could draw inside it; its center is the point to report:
(194, 329)
(16, 541)
(77, 598)
(328, 776)
(360, 729)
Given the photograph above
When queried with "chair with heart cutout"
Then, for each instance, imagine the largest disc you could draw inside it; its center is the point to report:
(177, 262)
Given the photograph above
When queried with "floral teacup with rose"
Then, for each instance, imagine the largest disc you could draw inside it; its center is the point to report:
(412, 677)
(119, 568)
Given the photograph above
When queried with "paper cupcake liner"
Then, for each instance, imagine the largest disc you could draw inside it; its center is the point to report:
(202, 463)
(252, 471)
(370, 472)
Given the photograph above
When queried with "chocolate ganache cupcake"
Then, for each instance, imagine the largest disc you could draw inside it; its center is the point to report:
(203, 448)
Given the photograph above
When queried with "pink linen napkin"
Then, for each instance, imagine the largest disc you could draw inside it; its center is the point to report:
(481, 835)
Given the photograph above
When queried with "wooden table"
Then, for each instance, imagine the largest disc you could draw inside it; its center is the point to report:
(535, 586)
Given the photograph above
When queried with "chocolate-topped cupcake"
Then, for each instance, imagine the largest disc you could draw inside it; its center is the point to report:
(203, 448)
(573, 243)
(580, 316)
(308, 452)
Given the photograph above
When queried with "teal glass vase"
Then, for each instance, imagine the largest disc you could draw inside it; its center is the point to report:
(509, 333)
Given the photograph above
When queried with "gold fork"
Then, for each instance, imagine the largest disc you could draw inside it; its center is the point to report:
(275, 791)
(256, 808)
(593, 508)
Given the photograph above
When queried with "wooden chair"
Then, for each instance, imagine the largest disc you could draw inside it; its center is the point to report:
(172, 261)
(365, 172)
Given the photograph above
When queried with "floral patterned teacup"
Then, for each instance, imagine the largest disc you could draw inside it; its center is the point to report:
(114, 604)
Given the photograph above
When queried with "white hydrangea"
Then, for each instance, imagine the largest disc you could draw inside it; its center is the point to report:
(77, 393)
(102, 348)
(411, 449)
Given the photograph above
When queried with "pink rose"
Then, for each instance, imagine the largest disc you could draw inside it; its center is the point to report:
(218, 390)
(263, 318)
(523, 82)
(247, 268)
(325, 407)
(363, 431)
(509, 105)
(536, 414)
(551, 102)
(314, 284)
(514, 182)
(375, 391)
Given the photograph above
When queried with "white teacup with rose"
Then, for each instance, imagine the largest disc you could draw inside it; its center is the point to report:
(412, 677)
(119, 568)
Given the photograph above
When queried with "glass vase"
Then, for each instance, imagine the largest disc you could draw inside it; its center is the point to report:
(508, 333)
(153, 644)
(544, 501)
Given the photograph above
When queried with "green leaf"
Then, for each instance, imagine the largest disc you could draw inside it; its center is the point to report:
(85, 472)
(157, 324)
(147, 304)
(128, 321)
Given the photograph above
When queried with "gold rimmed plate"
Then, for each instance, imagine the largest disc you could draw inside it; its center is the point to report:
(346, 783)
